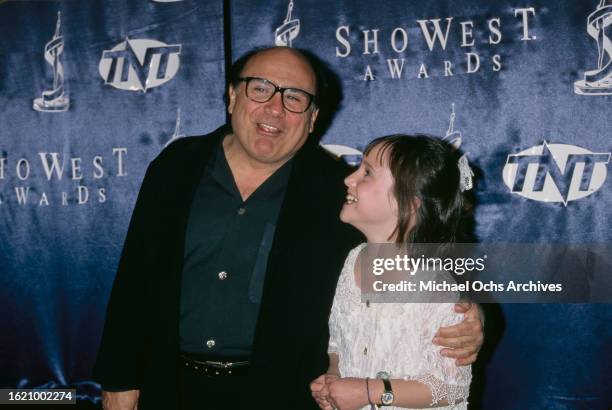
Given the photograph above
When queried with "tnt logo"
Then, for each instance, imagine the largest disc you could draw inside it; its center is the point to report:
(137, 65)
(555, 172)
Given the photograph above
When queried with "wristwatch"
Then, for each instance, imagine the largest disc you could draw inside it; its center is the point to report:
(386, 398)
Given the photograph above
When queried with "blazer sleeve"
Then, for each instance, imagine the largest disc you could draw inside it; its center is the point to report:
(123, 347)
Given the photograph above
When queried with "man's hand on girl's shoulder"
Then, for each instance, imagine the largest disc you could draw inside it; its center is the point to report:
(463, 341)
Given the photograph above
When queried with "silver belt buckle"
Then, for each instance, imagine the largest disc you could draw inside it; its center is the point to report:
(225, 365)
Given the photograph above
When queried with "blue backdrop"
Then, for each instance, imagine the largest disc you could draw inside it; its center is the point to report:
(90, 96)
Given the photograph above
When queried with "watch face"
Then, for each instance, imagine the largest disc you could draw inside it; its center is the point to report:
(387, 398)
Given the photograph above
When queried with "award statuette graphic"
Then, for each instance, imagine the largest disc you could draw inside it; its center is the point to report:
(289, 30)
(455, 139)
(54, 100)
(177, 129)
(599, 80)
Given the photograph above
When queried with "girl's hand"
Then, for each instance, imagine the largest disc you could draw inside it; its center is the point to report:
(320, 392)
(331, 377)
(348, 393)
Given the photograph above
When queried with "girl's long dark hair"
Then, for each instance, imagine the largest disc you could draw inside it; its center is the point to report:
(426, 168)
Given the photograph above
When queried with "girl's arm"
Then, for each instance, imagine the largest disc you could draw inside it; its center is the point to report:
(352, 393)
(333, 364)
(440, 383)
(430, 392)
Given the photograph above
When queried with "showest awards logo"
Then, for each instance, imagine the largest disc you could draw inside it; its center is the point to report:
(289, 30)
(137, 65)
(52, 178)
(599, 80)
(54, 100)
(435, 35)
(555, 172)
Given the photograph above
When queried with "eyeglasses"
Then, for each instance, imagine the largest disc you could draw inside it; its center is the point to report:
(261, 90)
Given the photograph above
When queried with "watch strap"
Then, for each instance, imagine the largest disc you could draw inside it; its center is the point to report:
(388, 392)
(387, 385)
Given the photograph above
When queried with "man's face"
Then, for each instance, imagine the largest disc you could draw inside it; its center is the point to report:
(267, 132)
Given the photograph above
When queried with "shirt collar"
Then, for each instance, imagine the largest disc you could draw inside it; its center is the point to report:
(221, 172)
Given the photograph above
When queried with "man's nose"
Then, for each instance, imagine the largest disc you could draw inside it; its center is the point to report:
(275, 104)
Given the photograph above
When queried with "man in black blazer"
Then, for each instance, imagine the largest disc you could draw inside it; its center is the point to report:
(230, 264)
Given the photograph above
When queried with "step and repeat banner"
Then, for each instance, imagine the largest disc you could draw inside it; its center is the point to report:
(91, 92)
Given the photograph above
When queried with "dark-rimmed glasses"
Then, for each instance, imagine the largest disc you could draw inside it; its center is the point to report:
(261, 90)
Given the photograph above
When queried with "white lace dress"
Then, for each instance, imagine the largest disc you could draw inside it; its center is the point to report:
(396, 338)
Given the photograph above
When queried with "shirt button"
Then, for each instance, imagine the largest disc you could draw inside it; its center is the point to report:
(241, 210)
(222, 275)
(210, 343)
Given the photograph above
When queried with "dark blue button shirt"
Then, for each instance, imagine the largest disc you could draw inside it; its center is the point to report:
(226, 252)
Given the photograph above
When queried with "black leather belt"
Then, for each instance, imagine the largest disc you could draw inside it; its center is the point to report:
(215, 368)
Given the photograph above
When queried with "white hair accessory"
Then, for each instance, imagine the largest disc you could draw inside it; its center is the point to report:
(465, 174)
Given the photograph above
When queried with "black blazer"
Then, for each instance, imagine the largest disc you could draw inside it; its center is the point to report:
(141, 334)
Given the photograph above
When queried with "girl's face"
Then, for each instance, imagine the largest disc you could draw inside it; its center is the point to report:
(370, 205)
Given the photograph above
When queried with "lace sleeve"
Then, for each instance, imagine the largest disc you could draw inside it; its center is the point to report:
(340, 298)
(444, 378)
(332, 347)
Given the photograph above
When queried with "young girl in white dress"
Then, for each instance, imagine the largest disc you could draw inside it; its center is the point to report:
(408, 189)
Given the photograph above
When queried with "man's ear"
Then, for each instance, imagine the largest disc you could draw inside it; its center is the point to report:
(313, 119)
(231, 93)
